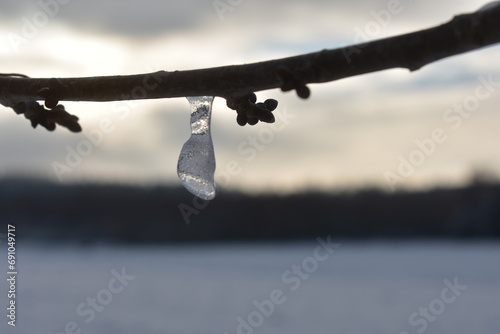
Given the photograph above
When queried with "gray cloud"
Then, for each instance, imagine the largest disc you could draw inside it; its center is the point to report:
(143, 19)
(139, 19)
(353, 129)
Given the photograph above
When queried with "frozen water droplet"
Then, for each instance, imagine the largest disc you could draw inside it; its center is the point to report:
(196, 166)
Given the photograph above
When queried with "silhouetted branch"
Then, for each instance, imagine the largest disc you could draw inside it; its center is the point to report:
(237, 83)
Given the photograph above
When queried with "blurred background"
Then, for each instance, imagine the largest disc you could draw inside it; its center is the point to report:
(398, 169)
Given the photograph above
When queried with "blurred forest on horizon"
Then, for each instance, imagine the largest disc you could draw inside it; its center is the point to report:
(92, 213)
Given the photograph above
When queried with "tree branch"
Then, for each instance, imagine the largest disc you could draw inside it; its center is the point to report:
(237, 83)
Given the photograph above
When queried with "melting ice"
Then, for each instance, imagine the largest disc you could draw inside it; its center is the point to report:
(196, 166)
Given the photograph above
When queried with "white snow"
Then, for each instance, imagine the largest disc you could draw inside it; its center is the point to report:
(371, 287)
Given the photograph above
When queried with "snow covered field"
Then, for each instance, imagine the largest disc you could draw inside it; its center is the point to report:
(317, 287)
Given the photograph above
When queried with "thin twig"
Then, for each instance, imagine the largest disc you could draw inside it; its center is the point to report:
(412, 51)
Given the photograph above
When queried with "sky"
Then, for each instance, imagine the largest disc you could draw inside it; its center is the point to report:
(393, 129)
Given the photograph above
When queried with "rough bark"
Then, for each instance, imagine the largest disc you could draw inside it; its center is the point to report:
(236, 83)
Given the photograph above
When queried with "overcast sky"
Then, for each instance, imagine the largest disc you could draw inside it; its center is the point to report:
(354, 132)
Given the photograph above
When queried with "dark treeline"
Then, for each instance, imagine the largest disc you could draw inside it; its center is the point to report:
(111, 213)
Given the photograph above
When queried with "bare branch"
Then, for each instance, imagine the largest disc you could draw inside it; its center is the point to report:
(412, 51)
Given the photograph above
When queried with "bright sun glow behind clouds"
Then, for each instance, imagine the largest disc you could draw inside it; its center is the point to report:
(349, 133)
